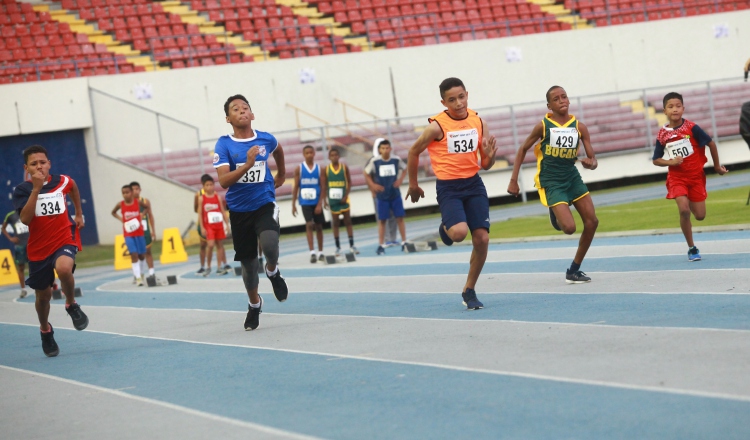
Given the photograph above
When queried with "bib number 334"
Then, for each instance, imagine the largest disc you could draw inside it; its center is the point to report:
(50, 204)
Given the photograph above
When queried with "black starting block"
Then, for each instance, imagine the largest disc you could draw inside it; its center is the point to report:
(171, 279)
(348, 257)
(152, 282)
(57, 293)
(78, 292)
(421, 246)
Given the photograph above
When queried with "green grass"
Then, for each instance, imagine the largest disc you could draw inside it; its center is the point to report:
(102, 255)
(725, 207)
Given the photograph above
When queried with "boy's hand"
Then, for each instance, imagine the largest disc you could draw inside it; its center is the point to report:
(589, 163)
(377, 188)
(294, 210)
(513, 188)
(37, 180)
(720, 170)
(415, 193)
(251, 155)
(318, 209)
(278, 180)
(676, 161)
(14, 240)
(79, 221)
(489, 145)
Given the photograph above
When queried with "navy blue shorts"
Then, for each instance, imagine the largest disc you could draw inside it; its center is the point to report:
(464, 200)
(42, 273)
(395, 205)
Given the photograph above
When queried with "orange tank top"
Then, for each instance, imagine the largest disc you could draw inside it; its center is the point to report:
(457, 154)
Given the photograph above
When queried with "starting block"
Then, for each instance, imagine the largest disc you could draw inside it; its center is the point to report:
(421, 246)
(57, 293)
(348, 257)
(151, 281)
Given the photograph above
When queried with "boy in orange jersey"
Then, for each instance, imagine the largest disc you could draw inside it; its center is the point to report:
(212, 216)
(459, 145)
(54, 240)
(681, 146)
(557, 179)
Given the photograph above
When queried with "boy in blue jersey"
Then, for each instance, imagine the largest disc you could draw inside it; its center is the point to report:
(240, 161)
(307, 186)
(382, 176)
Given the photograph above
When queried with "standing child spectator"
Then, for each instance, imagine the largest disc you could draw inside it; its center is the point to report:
(337, 183)
(681, 146)
(19, 239)
(53, 239)
(149, 230)
(201, 234)
(307, 186)
(212, 217)
(391, 228)
(132, 229)
(382, 176)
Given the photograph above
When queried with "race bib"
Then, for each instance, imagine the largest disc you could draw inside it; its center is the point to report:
(215, 217)
(20, 228)
(336, 193)
(144, 223)
(387, 170)
(682, 148)
(464, 141)
(563, 137)
(50, 204)
(132, 225)
(256, 174)
(308, 193)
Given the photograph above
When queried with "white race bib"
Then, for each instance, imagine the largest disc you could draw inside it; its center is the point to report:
(464, 141)
(50, 204)
(144, 223)
(132, 225)
(308, 193)
(256, 174)
(336, 193)
(214, 217)
(387, 170)
(21, 228)
(563, 137)
(682, 148)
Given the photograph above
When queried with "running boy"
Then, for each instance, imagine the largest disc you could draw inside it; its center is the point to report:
(240, 160)
(681, 145)
(337, 184)
(19, 239)
(382, 176)
(459, 145)
(53, 239)
(307, 186)
(557, 179)
(149, 231)
(132, 230)
(212, 217)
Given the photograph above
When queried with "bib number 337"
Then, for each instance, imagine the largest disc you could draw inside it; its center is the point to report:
(256, 174)
(50, 204)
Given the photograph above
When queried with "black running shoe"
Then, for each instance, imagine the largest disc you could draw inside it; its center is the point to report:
(444, 235)
(253, 316)
(279, 286)
(470, 300)
(49, 346)
(577, 277)
(80, 320)
(553, 220)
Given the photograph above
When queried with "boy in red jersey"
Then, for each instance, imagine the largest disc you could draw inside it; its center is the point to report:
(53, 239)
(212, 215)
(132, 230)
(681, 146)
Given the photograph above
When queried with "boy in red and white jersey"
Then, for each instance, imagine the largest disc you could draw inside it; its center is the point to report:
(681, 145)
(53, 238)
(132, 230)
(212, 218)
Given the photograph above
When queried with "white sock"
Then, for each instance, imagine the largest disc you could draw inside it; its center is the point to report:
(312, 252)
(320, 253)
(137, 270)
(255, 306)
(270, 274)
(151, 271)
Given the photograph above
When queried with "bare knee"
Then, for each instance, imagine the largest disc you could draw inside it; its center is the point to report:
(700, 216)
(685, 214)
(480, 239)
(458, 232)
(568, 229)
(591, 224)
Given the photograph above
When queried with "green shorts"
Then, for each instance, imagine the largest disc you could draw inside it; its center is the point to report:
(20, 255)
(147, 236)
(338, 208)
(568, 192)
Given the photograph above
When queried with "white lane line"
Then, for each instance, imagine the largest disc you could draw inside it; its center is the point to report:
(600, 383)
(194, 412)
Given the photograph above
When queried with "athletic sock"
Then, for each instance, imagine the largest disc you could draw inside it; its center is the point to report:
(151, 271)
(255, 306)
(312, 252)
(351, 241)
(137, 270)
(338, 243)
(270, 274)
(50, 329)
(144, 266)
(574, 267)
(68, 305)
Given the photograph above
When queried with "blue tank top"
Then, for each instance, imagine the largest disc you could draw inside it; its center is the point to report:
(309, 185)
(386, 173)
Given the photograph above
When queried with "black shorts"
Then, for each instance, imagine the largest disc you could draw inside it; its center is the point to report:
(308, 211)
(42, 273)
(247, 226)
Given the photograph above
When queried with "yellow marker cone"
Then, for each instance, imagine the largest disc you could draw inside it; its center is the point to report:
(8, 273)
(122, 256)
(172, 249)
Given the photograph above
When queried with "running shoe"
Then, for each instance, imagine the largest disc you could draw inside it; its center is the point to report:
(444, 235)
(222, 271)
(553, 220)
(338, 252)
(313, 258)
(200, 271)
(354, 250)
(23, 293)
(380, 250)
(391, 243)
(694, 254)
(49, 346)
(577, 277)
(229, 268)
(80, 320)
(470, 300)
(139, 283)
(253, 316)
(280, 290)
(207, 272)
(135, 280)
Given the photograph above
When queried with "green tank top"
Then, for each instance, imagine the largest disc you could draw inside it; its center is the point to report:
(557, 152)
(337, 183)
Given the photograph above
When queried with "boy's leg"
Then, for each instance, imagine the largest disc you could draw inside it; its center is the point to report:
(401, 228)
(480, 239)
(565, 218)
(683, 206)
(221, 256)
(309, 232)
(348, 224)
(64, 266)
(698, 209)
(319, 233)
(204, 244)
(43, 297)
(149, 257)
(209, 253)
(585, 207)
(21, 269)
(381, 231)
(335, 227)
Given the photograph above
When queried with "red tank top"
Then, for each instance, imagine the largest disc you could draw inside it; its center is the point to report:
(131, 219)
(212, 214)
(52, 226)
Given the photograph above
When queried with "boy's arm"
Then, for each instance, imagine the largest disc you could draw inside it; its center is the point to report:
(590, 161)
(12, 239)
(28, 211)
(115, 214)
(295, 190)
(432, 132)
(536, 133)
(200, 213)
(278, 156)
(224, 208)
(195, 201)
(400, 180)
(150, 219)
(659, 161)
(488, 149)
(348, 182)
(75, 195)
(323, 199)
(720, 170)
(374, 187)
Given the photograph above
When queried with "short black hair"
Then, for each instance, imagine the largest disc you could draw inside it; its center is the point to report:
(450, 83)
(306, 147)
(127, 186)
(206, 178)
(33, 150)
(334, 149)
(232, 98)
(550, 91)
(134, 183)
(384, 142)
(671, 95)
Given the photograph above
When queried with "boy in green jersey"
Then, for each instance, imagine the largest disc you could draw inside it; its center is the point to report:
(336, 182)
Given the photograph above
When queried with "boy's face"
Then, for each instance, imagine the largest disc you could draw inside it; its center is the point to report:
(208, 187)
(456, 100)
(127, 195)
(37, 163)
(240, 115)
(309, 154)
(385, 150)
(558, 101)
(333, 156)
(136, 191)
(674, 110)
